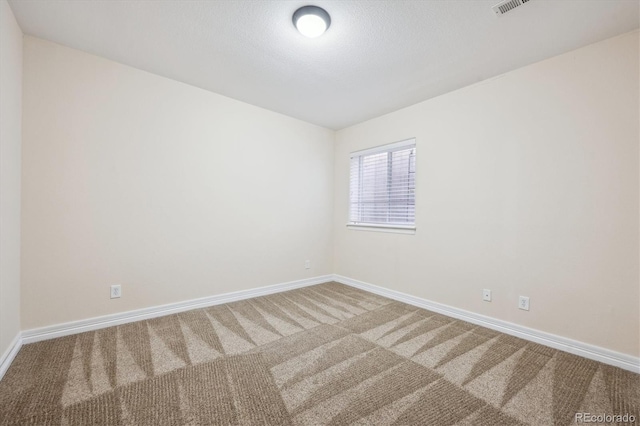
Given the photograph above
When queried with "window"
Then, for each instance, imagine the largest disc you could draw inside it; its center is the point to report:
(383, 186)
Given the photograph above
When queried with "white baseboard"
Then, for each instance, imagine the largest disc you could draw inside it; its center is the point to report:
(575, 347)
(96, 323)
(596, 353)
(7, 357)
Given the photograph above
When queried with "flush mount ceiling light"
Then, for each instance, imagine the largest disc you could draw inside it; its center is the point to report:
(311, 21)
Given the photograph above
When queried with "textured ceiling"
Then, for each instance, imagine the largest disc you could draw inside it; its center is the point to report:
(378, 56)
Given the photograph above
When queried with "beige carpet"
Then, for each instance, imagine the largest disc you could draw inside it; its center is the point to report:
(327, 354)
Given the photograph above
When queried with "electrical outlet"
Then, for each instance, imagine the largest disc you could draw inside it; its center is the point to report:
(116, 291)
(307, 264)
(523, 303)
(486, 295)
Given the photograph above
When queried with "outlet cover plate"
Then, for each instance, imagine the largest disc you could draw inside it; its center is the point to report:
(523, 303)
(116, 291)
(486, 295)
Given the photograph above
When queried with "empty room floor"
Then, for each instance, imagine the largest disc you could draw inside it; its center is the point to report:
(326, 354)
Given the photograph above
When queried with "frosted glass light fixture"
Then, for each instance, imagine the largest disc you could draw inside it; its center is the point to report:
(311, 21)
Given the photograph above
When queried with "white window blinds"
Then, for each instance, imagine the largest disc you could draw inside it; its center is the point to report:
(383, 184)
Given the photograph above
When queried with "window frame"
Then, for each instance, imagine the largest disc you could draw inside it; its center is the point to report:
(382, 227)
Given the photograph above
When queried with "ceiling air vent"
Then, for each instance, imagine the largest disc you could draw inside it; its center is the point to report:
(507, 6)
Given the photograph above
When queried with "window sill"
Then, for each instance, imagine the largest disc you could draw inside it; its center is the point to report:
(396, 229)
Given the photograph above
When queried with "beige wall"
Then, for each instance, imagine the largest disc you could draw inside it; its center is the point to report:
(171, 191)
(10, 138)
(527, 184)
